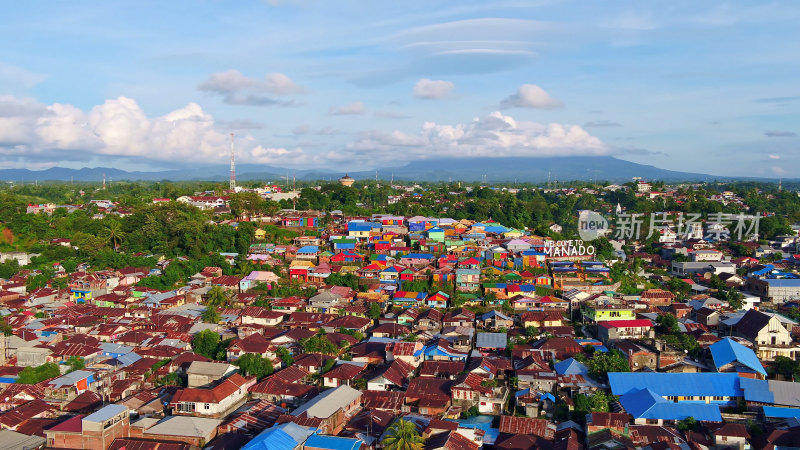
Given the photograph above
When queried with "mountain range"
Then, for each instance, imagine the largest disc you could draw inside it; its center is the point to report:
(534, 170)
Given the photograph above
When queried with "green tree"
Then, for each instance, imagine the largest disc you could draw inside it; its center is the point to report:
(602, 363)
(402, 435)
(668, 323)
(75, 363)
(33, 375)
(205, 343)
(217, 297)
(360, 384)
(253, 364)
(679, 287)
(688, 424)
(374, 311)
(9, 268)
(211, 315)
(319, 344)
(789, 368)
(285, 356)
(596, 402)
(113, 233)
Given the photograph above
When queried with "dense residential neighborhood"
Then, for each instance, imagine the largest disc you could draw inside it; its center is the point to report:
(457, 318)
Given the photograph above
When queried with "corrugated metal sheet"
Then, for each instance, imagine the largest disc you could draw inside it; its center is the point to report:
(727, 351)
(677, 384)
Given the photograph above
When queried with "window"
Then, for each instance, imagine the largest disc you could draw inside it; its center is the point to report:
(207, 406)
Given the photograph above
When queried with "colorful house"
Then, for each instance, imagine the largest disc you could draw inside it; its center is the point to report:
(470, 263)
(436, 234)
(347, 256)
(601, 313)
(438, 300)
(391, 274)
(341, 244)
(300, 270)
(468, 279)
(413, 259)
(408, 298)
(533, 258)
(306, 222)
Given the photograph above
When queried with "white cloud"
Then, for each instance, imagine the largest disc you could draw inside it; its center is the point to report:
(530, 96)
(119, 129)
(116, 128)
(352, 108)
(773, 156)
(238, 89)
(432, 89)
(495, 135)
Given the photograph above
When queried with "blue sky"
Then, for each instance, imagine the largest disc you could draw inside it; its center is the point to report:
(694, 86)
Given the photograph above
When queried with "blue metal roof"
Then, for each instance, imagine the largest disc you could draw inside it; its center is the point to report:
(287, 436)
(677, 384)
(570, 366)
(767, 269)
(359, 227)
(727, 351)
(333, 442)
(757, 391)
(638, 402)
(783, 282)
(646, 404)
(419, 256)
(781, 413)
(561, 263)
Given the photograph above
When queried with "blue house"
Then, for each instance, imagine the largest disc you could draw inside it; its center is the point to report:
(440, 353)
(714, 388)
(646, 407)
(731, 356)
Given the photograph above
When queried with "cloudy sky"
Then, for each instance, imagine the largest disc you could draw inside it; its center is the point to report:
(694, 86)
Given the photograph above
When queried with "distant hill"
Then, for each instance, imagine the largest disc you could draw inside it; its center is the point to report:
(570, 168)
(567, 168)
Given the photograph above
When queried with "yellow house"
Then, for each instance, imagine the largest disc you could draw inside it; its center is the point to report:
(601, 314)
(260, 234)
(512, 234)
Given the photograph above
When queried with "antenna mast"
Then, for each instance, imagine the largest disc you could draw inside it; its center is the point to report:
(233, 167)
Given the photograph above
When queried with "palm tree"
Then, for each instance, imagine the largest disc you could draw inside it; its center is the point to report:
(216, 297)
(113, 232)
(402, 435)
